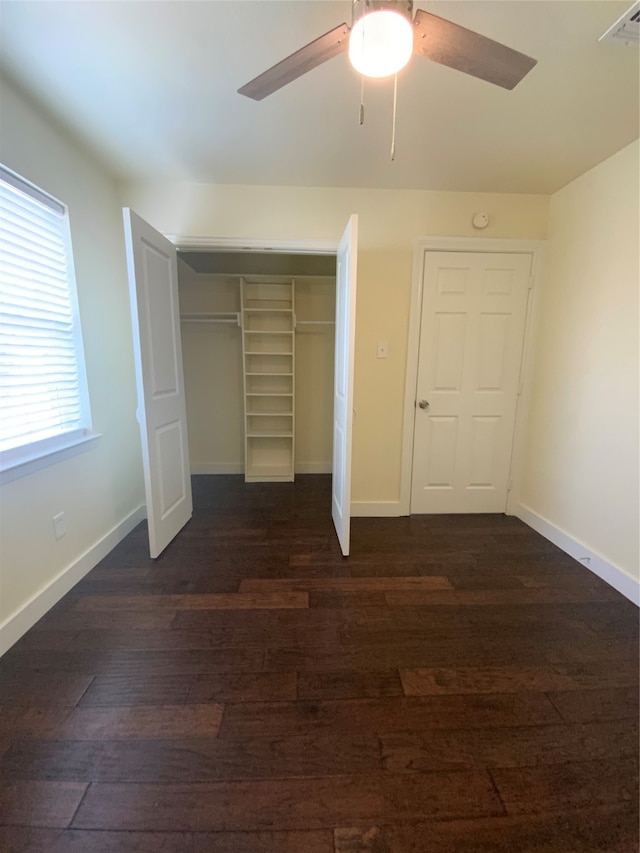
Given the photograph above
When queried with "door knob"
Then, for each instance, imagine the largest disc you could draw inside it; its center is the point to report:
(424, 404)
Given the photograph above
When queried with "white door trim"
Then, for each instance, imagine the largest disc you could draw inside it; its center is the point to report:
(466, 244)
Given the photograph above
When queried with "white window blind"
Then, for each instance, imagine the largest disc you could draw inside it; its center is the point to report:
(43, 394)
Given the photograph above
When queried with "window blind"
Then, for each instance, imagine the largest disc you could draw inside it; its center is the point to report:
(41, 365)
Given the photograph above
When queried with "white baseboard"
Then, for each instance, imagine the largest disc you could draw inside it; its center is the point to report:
(375, 509)
(612, 574)
(218, 468)
(313, 467)
(19, 622)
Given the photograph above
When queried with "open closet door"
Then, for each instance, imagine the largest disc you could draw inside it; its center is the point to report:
(153, 290)
(343, 387)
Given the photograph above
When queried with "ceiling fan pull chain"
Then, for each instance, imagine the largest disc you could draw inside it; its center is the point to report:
(395, 104)
(362, 101)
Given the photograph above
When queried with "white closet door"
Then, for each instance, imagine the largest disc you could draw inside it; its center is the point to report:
(343, 382)
(153, 290)
(472, 329)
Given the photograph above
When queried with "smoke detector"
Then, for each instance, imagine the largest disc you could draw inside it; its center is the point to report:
(626, 29)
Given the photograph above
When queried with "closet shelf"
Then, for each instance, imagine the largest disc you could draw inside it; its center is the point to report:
(268, 374)
(268, 473)
(288, 414)
(278, 283)
(272, 434)
(265, 352)
(269, 394)
(267, 310)
(265, 332)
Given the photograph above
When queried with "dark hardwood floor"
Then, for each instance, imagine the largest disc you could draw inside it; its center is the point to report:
(458, 685)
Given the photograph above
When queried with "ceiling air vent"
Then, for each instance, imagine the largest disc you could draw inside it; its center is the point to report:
(626, 29)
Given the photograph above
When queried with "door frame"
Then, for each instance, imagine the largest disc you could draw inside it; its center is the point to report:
(535, 248)
(310, 246)
(239, 244)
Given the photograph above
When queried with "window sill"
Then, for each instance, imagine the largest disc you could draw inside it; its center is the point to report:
(18, 469)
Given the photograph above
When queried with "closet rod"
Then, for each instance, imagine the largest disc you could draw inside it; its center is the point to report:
(222, 317)
(315, 323)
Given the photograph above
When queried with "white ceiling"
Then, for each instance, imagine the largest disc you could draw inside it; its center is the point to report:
(152, 86)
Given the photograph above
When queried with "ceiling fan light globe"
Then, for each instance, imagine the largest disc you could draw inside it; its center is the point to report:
(381, 43)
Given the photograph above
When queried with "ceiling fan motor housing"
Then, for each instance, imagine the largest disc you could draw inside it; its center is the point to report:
(381, 41)
(363, 7)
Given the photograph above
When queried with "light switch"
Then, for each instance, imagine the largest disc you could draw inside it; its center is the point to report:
(383, 349)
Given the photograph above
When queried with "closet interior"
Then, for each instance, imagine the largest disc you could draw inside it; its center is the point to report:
(258, 349)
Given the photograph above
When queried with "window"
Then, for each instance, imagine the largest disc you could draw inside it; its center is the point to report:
(44, 402)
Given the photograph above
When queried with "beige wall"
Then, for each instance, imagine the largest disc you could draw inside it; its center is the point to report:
(212, 359)
(99, 488)
(315, 300)
(389, 221)
(581, 460)
(212, 364)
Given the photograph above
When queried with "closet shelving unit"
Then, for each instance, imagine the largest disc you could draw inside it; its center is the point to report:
(268, 326)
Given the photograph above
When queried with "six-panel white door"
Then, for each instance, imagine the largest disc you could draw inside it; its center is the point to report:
(346, 273)
(471, 339)
(153, 290)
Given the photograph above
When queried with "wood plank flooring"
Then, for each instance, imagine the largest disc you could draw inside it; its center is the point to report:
(458, 685)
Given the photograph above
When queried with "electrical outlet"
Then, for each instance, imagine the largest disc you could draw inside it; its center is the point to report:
(59, 525)
(383, 349)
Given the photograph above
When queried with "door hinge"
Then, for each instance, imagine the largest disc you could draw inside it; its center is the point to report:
(530, 282)
(509, 485)
(520, 389)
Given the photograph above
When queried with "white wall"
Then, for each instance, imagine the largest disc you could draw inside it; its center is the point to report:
(100, 489)
(389, 222)
(581, 458)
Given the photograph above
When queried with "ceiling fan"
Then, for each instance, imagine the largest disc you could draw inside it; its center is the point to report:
(383, 36)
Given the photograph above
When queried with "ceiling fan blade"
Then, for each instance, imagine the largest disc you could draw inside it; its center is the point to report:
(308, 57)
(450, 44)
